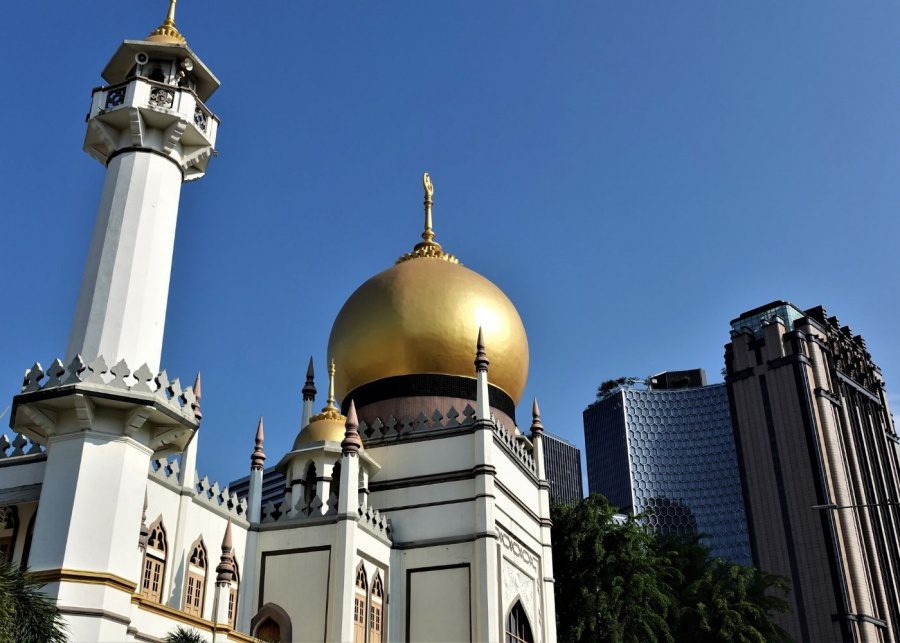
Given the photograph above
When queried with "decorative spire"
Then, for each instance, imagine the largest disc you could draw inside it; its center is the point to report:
(195, 405)
(428, 247)
(351, 443)
(167, 32)
(309, 389)
(225, 568)
(145, 530)
(258, 457)
(537, 428)
(481, 358)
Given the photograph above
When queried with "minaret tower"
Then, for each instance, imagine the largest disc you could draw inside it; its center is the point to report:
(107, 410)
(152, 131)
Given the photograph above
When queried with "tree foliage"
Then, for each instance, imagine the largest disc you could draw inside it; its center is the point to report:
(27, 615)
(184, 635)
(620, 582)
(609, 386)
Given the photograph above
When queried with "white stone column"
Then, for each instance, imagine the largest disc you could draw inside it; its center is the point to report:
(546, 571)
(121, 308)
(486, 570)
(344, 561)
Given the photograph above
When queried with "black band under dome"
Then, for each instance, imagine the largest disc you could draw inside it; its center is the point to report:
(425, 385)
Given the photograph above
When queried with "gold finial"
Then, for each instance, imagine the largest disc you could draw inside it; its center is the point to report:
(331, 371)
(167, 32)
(428, 247)
(330, 411)
(428, 234)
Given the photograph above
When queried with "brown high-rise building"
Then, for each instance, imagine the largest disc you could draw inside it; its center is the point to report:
(818, 459)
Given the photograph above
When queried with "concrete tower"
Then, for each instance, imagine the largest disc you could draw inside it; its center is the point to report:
(151, 130)
(99, 420)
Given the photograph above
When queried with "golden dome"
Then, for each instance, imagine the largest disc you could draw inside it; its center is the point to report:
(327, 425)
(422, 316)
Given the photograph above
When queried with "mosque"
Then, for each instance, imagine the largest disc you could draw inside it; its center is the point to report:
(411, 506)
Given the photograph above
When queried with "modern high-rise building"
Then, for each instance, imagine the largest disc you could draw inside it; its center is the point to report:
(562, 459)
(818, 460)
(669, 450)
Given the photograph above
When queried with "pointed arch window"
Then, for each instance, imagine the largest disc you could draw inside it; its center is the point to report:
(359, 605)
(233, 595)
(336, 480)
(309, 485)
(196, 580)
(518, 630)
(154, 568)
(376, 610)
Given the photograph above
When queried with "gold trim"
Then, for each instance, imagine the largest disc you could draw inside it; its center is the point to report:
(167, 32)
(85, 577)
(188, 619)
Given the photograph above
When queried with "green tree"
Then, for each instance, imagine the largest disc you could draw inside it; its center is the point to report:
(618, 581)
(27, 615)
(184, 635)
(611, 584)
(725, 602)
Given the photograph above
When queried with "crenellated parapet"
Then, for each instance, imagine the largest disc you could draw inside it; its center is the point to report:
(383, 431)
(220, 499)
(148, 401)
(515, 446)
(20, 447)
(98, 374)
(375, 523)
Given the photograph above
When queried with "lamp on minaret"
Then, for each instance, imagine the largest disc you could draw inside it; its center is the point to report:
(257, 461)
(152, 131)
(309, 394)
(482, 395)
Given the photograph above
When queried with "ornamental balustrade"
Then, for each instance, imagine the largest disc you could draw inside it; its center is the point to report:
(142, 92)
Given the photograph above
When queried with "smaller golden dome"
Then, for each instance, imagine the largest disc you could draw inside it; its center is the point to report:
(327, 426)
(167, 32)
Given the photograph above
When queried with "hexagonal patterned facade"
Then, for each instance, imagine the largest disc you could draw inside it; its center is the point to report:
(671, 453)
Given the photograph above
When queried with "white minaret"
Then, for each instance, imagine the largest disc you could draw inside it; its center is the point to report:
(151, 130)
(101, 424)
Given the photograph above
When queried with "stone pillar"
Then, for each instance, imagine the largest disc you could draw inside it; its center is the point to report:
(344, 561)
(486, 600)
(546, 579)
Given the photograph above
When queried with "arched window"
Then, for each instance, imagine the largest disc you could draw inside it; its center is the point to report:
(517, 628)
(233, 595)
(376, 610)
(272, 624)
(309, 485)
(29, 535)
(154, 569)
(336, 479)
(359, 605)
(269, 630)
(196, 580)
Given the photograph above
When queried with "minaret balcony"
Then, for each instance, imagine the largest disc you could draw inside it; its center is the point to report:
(145, 114)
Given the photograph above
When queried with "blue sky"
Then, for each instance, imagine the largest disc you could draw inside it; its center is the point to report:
(633, 176)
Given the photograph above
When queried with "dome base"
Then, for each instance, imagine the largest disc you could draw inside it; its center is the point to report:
(424, 393)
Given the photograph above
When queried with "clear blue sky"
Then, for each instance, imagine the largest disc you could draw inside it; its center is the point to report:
(633, 175)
